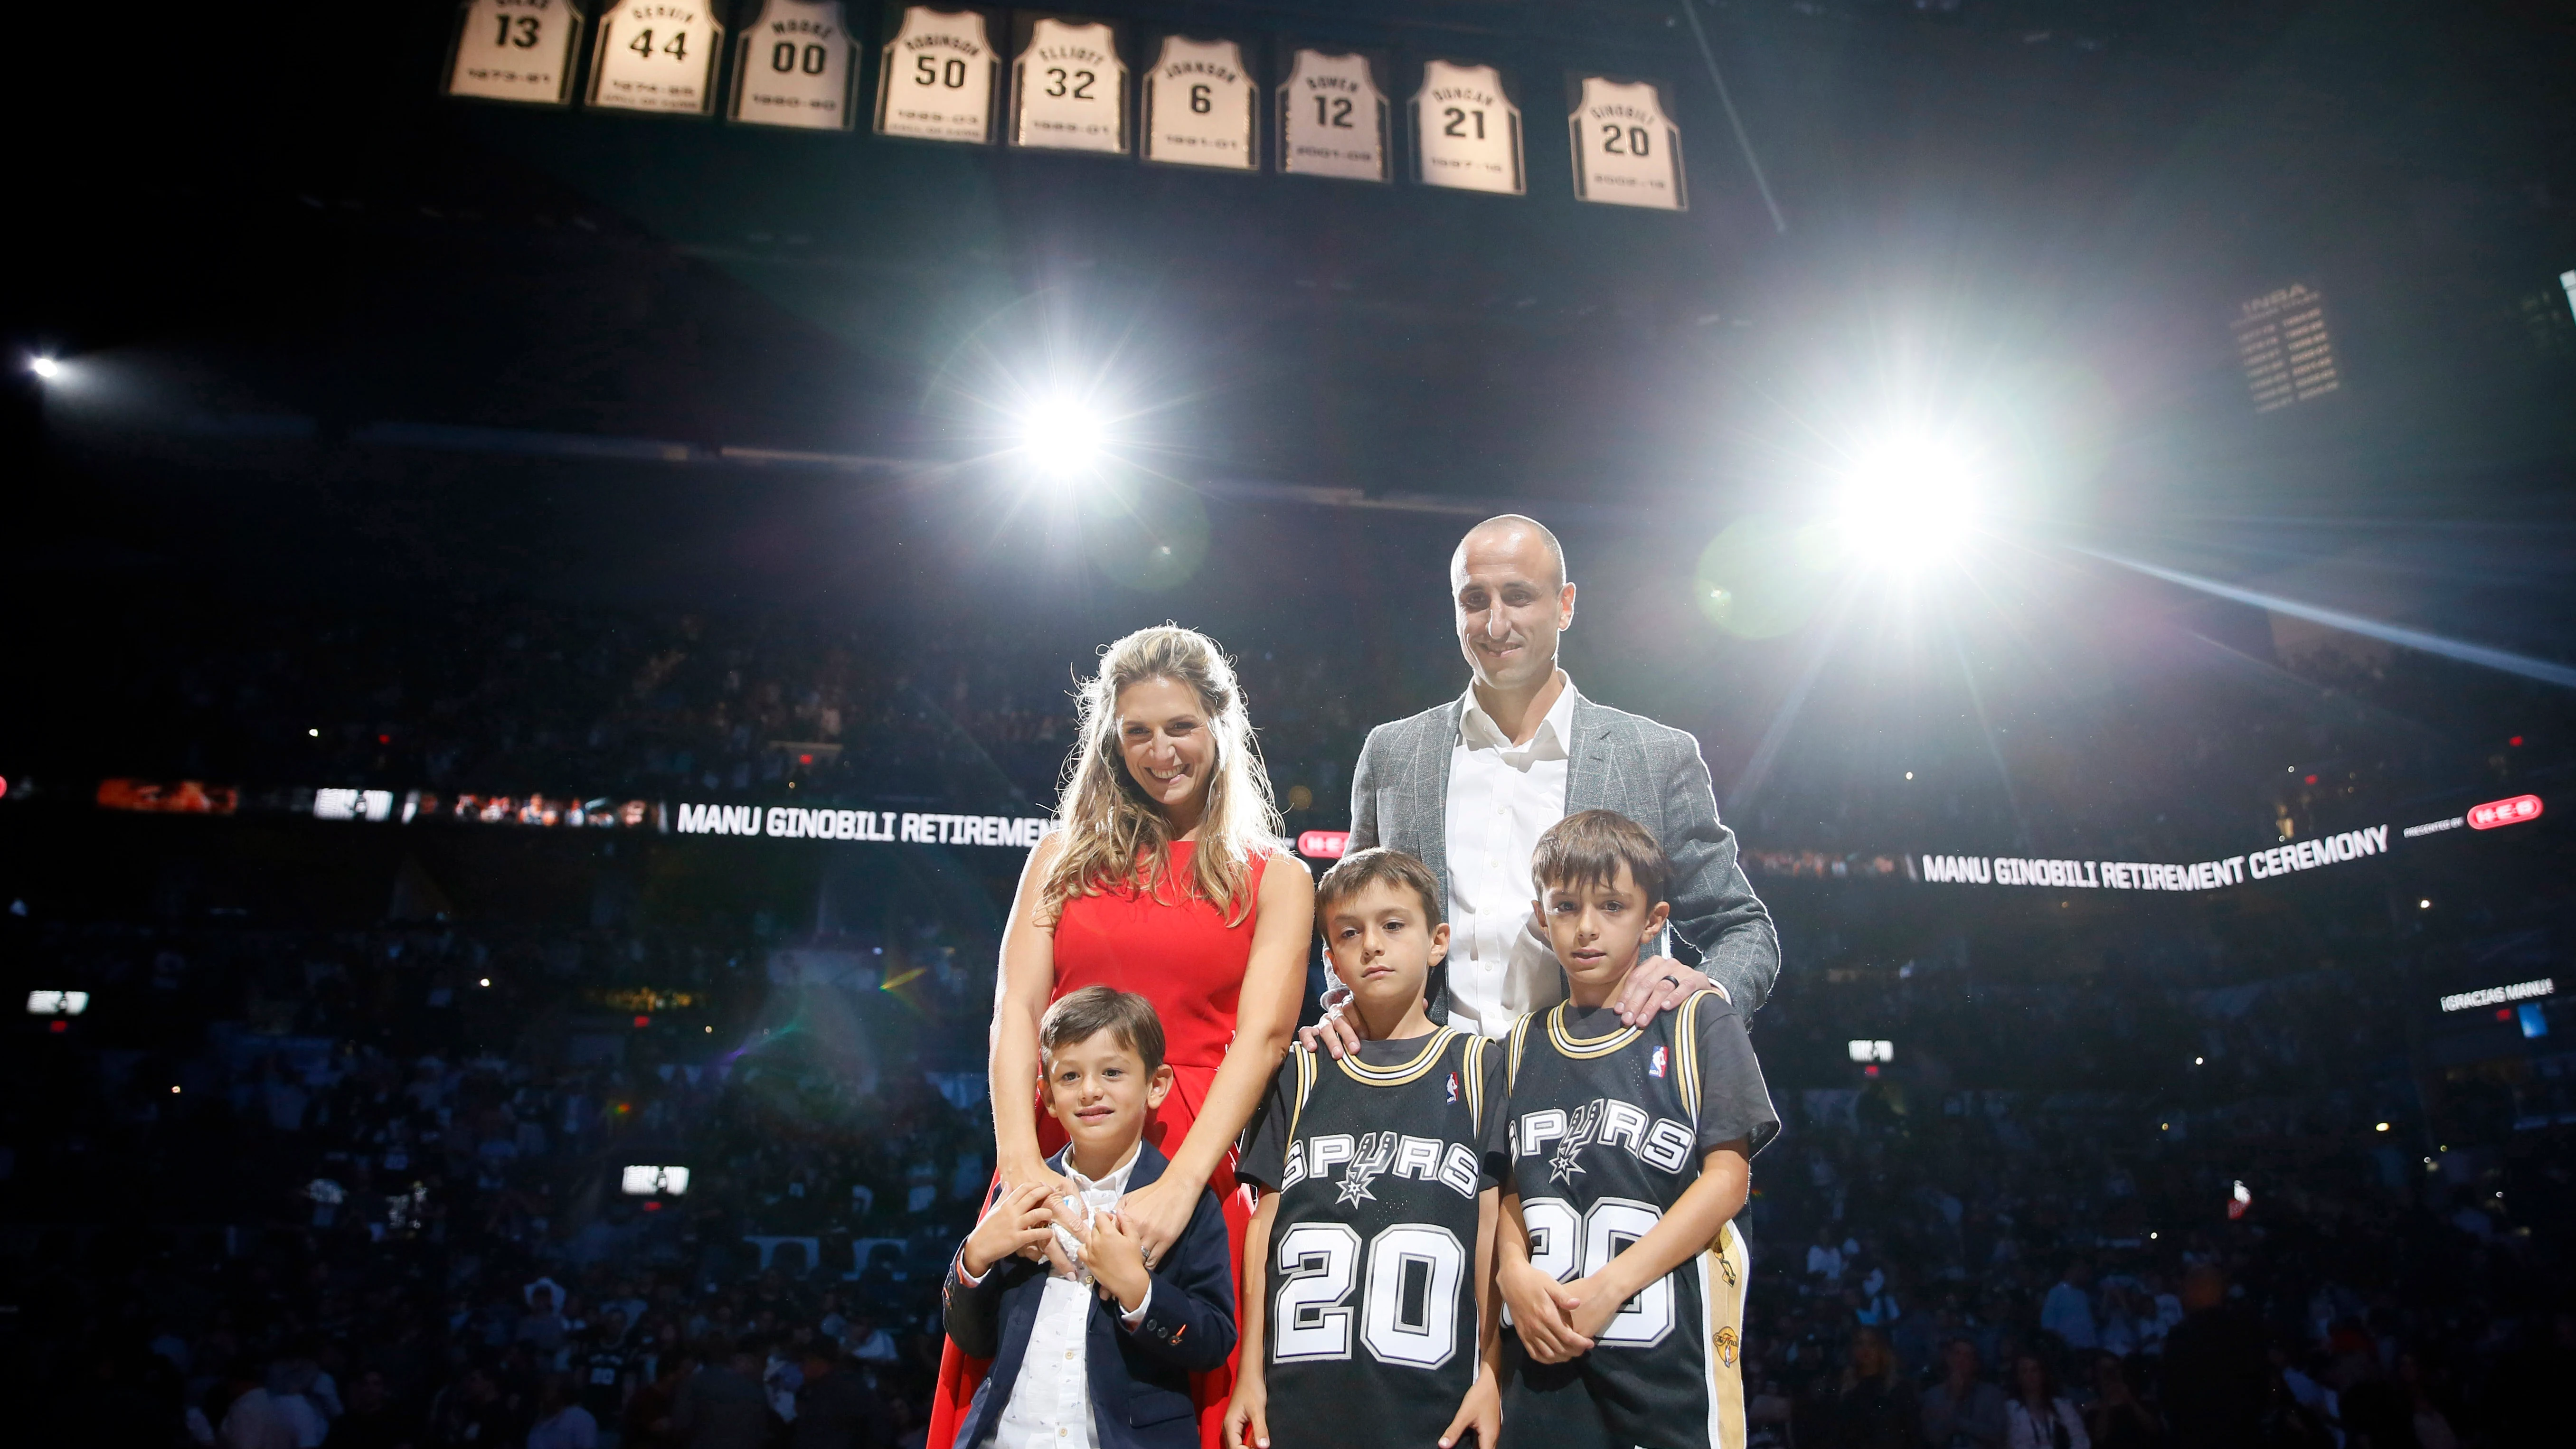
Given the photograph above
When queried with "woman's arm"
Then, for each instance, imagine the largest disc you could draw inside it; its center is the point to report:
(1020, 996)
(1265, 1019)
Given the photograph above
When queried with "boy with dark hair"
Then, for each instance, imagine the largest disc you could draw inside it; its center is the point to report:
(1090, 1347)
(1367, 1266)
(1631, 1152)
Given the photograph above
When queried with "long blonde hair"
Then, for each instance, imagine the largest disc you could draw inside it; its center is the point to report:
(1114, 837)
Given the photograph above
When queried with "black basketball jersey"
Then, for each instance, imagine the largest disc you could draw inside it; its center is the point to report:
(1378, 1162)
(1609, 1125)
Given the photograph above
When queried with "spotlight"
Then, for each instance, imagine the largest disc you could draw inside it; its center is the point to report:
(1908, 500)
(1061, 437)
(46, 368)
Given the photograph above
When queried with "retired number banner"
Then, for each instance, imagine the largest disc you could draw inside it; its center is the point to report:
(941, 71)
(1467, 132)
(657, 55)
(1627, 152)
(1201, 106)
(515, 50)
(1333, 118)
(1069, 88)
(795, 67)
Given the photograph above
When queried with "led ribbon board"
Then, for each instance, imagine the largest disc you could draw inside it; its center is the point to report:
(796, 67)
(1333, 119)
(1466, 131)
(940, 74)
(514, 50)
(1627, 152)
(1201, 106)
(657, 55)
(1069, 88)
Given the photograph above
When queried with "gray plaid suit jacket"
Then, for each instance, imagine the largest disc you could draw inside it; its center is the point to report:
(1649, 772)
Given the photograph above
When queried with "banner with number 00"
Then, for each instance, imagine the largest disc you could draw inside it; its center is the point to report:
(515, 50)
(657, 55)
(794, 67)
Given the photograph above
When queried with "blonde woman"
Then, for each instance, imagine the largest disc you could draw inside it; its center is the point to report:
(1167, 878)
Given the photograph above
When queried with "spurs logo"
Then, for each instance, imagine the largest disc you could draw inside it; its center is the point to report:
(1565, 1165)
(1375, 1150)
(1726, 1347)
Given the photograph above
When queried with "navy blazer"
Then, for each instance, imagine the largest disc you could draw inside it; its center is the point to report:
(1140, 1380)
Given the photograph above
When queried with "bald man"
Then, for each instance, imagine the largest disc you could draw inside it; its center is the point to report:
(1469, 787)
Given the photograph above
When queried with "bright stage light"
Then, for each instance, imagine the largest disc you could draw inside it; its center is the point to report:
(1908, 500)
(1062, 437)
(46, 368)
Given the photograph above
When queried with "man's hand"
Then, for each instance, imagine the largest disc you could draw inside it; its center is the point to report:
(1543, 1310)
(1247, 1417)
(1481, 1411)
(1020, 1219)
(1116, 1257)
(1659, 984)
(1336, 1035)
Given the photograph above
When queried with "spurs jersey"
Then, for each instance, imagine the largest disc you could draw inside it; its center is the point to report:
(1609, 1125)
(1378, 1163)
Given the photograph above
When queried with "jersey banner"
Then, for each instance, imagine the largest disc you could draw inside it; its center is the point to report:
(1627, 151)
(1466, 131)
(940, 75)
(1202, 107)
(515, 50)
(1333, 118)
(1069, 88)
(795, 66)
(657, 55)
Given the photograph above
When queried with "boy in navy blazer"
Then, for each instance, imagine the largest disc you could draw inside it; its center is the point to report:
(1091, 1349)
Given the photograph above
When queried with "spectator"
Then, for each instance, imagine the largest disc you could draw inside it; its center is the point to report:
(836, 1409)
(544, 1327)
(2117, 1420)
(1877, 1407)
(1964, 1412)
(2068, 1311)
(2037, 1416)
(723, 1406)
(1825, 1257)
(2217, 1367)
(562, 1423)
(372, 1422)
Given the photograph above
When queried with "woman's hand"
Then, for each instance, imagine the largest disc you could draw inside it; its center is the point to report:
(1160, 1211)
(1543, 1310)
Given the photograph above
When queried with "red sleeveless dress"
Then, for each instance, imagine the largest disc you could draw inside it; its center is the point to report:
(1179, 953)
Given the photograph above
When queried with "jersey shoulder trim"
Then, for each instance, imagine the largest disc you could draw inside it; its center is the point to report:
(1305, 1060)
(1512, 1063)
(1686, 1050)
(1471, 1069)
(1434, 1047)
(1579, 1048)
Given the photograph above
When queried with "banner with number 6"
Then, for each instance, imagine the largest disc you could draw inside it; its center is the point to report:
(1202, 106)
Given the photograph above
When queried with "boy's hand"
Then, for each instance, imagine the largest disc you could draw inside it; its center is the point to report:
(1019, 1219)
(1247, 1418)
(1543, 1310)
(1601, 1302)
(1116, 1257)
(1481, 1411)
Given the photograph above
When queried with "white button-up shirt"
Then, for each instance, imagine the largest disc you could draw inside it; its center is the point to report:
(1502, 798)
(1050, 1405)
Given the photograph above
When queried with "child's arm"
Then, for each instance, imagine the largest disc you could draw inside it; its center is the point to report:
(1187, 1304)
(1247, 1418)
(1542, 1308)
(1725, 1175)
(1482, 1409)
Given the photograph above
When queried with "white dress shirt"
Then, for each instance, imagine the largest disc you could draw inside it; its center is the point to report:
(1502, 798)
(1050, 1404)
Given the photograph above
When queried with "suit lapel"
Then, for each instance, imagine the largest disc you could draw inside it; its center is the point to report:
(1587, 771)
(1430, 790)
